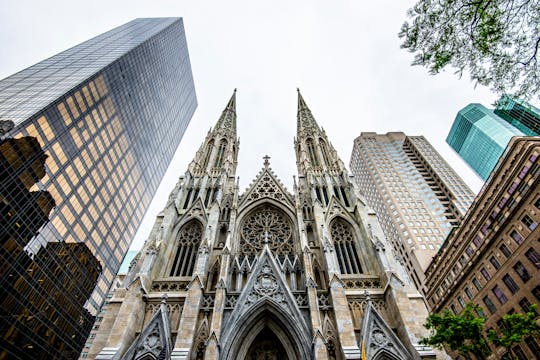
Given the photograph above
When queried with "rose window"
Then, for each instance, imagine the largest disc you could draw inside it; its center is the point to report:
(267, 224)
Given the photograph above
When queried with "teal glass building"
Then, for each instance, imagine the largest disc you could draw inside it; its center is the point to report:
(520, 114)
(480, 137)
(86, 136)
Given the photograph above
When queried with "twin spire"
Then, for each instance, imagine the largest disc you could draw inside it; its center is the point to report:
(227, 120)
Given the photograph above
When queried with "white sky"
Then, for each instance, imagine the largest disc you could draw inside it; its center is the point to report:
(343, 55)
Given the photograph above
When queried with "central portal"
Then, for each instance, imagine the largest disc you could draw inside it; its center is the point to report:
(266, 346)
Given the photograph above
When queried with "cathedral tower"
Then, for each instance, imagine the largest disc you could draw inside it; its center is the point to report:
(265, 273)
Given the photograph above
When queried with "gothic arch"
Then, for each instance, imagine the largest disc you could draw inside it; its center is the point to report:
(383, 354)
(187, 243)
(267, 218)
(343, 237)
(266, 315)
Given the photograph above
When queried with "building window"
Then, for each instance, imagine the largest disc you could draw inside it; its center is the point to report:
(516, 236)
(536, 292)
(489, 304)
(499, 294)
(533, 257)
(533, 345)
(510, 283)
(528, 222)
(189, 239)
(537, 203)
(522, 271)
(495, 263)
(485, 274)
(469, 293)
(454, 310)
(518, 352)
(461, 302)
(505, 250)
(342, 235)
(525, 305)
(477, 284)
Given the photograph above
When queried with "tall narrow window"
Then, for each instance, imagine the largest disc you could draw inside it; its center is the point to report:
(189, 239)
(312, 154)
(324, 152)
(208, 153)
(220, 154)
(342, 235)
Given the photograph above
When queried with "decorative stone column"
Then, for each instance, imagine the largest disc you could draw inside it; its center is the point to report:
(130, 319)
(212, 349)
(345, 328)
(188, 321)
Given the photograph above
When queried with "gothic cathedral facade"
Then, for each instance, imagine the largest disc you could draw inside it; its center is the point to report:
(265, 274)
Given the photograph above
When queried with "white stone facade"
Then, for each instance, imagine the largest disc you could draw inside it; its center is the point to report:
(266, 273)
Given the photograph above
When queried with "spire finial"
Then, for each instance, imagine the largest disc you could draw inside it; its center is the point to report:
(266, 160)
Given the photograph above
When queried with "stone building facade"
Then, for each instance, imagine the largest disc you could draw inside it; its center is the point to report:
(492, 259)
(264, 273)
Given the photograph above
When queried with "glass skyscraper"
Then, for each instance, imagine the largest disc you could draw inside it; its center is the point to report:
(520, 114)
(86, 138)
(480, 137)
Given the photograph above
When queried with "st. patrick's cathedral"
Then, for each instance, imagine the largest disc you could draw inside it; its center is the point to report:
(266, 273)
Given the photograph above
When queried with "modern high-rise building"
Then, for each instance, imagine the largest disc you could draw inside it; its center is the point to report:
(493, 258)
(417, 196)
(480, 135)
(520, 114)
(102, 121)
(264, 273)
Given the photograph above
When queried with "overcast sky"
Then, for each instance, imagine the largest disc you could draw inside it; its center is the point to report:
(343, 55)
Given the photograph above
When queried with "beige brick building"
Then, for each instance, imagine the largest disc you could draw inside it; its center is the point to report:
(492, 259)
(418, 197)
(263, 273)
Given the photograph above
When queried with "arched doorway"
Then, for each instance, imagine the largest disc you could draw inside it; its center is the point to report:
(266, 346)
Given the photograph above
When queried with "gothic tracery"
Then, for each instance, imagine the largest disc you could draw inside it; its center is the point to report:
(267, 224)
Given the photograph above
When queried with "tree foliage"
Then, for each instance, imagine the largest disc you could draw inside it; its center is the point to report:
(515, 328)
(461, 333)
(496, 41)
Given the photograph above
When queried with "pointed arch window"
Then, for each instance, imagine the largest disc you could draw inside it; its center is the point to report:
(342, 235)
(208, 153)
(324, 152)
(312, 153)
(189, 239)
(220, 154)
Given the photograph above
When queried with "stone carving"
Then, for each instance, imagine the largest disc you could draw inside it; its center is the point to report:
(267, 224)
(266, 285)
(169, 286)
(363, 284)
(230, 301)
(324, 302)
(301, 300)
(151, 343)
(207, 303)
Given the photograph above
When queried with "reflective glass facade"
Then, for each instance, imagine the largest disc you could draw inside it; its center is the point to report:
(520, 114)
(108, 115)
(479, 136)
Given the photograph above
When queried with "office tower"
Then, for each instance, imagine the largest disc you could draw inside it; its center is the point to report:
(520, 114)
(492, 259)
(105, 117)
(264, 273)
(479, 136)
(417, 196)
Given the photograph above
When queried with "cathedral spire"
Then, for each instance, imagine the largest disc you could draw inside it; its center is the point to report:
(219, 151)
(306, 121)
(227, 120)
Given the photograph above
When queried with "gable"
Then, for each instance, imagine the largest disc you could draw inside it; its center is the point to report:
(266, 185)
(378, 339)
